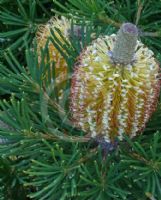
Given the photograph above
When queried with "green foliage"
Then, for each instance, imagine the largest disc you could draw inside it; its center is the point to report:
(71, 175)
(43, 157)
(61, 169)
(143, 164)
(21, 23)
(146, 14)
(10, 184)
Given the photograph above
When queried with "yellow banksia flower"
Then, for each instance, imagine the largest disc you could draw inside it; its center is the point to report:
(115, 86)
(43, 34)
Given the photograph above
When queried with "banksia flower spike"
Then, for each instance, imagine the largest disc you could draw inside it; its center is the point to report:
(115, 86)
(44, 32)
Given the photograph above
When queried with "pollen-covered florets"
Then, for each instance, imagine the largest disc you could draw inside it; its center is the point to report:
(109, 99)
(43, 34)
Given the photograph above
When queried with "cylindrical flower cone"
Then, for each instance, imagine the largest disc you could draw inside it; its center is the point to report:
(44, 32)
(115, 86)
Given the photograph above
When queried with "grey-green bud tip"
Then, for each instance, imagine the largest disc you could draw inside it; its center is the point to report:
(124, 47)
(130, 29)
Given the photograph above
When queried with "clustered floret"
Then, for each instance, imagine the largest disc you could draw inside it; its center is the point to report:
(109, 99)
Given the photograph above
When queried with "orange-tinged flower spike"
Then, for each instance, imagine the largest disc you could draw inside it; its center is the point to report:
(108, 97)
(44, 32)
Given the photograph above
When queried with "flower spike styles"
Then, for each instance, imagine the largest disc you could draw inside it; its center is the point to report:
(115, 86)
(44, 32)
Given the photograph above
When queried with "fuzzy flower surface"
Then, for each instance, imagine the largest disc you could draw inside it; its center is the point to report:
(55, 56)
(110, 99)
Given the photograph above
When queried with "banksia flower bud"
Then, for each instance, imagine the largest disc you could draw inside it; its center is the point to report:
(115, 86)
(43, 34)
